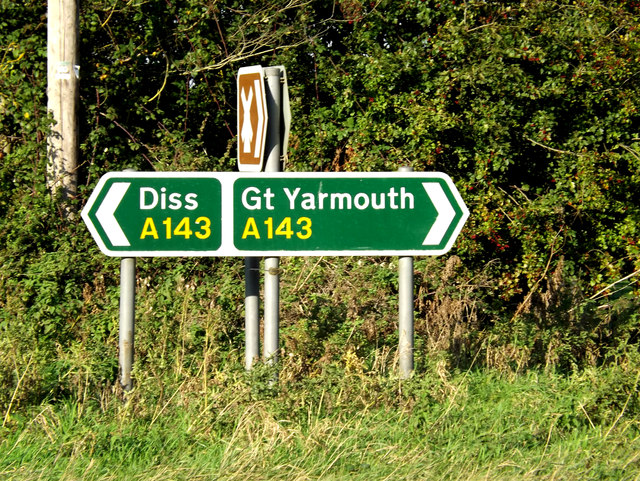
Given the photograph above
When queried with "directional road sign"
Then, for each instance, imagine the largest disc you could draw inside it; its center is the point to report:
(274, 214)
(252, 119)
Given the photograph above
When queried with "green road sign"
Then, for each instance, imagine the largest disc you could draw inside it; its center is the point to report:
(240, 214)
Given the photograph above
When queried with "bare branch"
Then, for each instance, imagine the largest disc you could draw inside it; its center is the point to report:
(557, 151)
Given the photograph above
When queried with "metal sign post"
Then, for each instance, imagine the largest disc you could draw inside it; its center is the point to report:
(127, 320)
(253, 118)
(126, 329)
(251, 311)
(264, 119)
(272, 264)
(405, 311)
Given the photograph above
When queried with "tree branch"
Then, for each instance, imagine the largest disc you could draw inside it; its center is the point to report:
(557, 151)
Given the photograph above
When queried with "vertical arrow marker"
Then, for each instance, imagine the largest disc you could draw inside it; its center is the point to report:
(253, 118)
(446, 213)
(106, 214)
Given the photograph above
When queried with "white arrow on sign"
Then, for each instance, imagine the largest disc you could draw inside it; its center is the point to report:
(246, 134)
(446, 213)
(106, 214)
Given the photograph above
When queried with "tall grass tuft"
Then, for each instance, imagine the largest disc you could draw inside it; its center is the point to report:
(342, 423)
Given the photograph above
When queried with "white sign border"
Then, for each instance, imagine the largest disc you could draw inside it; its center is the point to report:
(228, 249)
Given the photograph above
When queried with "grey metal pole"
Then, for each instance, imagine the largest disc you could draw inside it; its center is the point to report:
(272, 264)
(127, 319)
(405, 310)
(251, 310)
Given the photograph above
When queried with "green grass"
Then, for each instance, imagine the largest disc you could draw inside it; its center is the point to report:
(339, 424)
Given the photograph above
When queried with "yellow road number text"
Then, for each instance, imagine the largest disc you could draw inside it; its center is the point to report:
(286, 229)
(183, 228)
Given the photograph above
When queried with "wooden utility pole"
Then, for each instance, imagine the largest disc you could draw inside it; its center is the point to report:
(62, 94)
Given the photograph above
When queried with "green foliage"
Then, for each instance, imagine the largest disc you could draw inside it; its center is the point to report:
(23, 118)
(532, 112)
